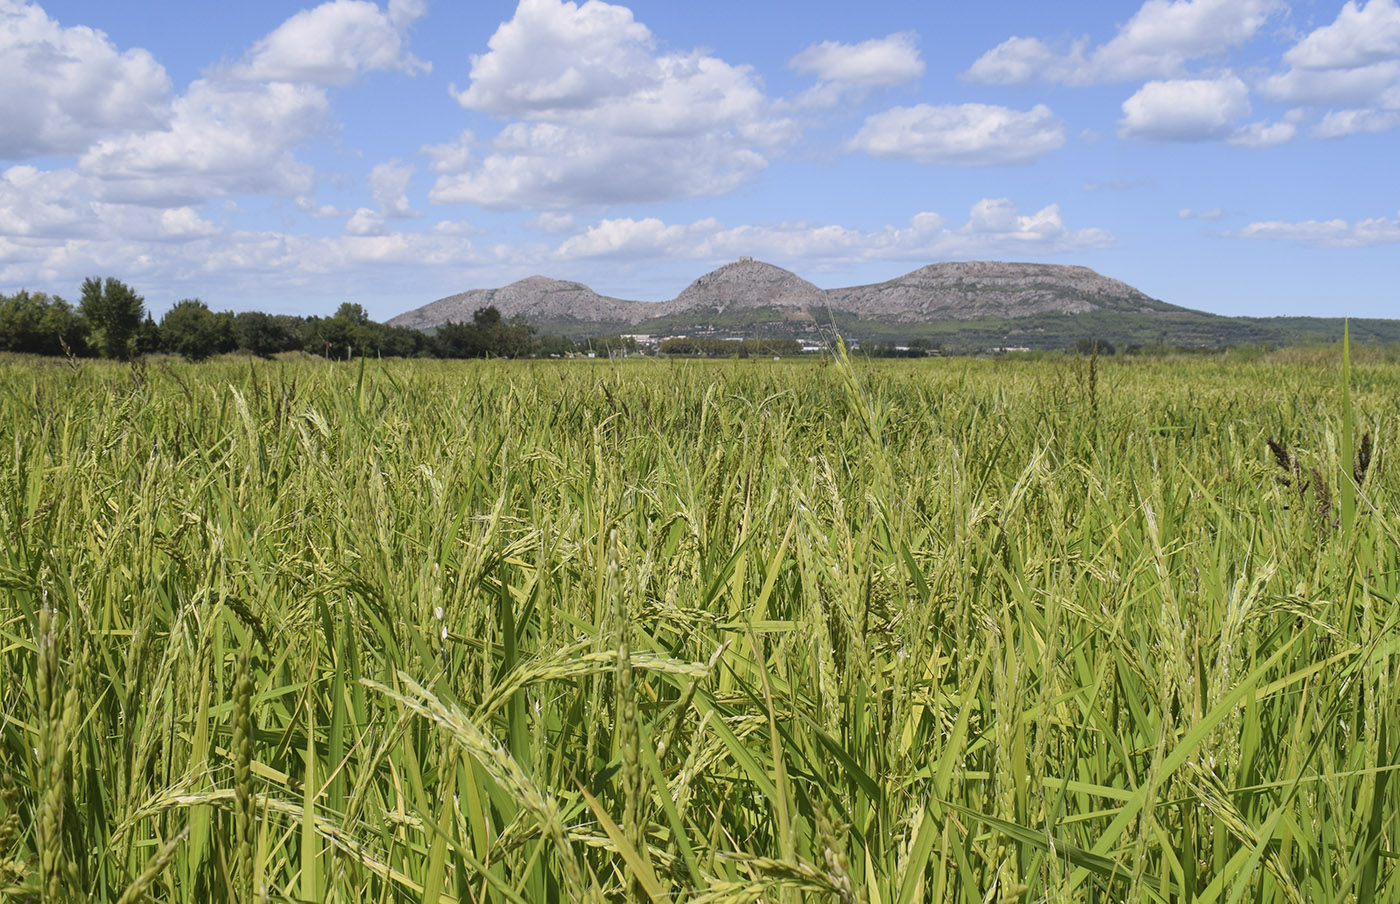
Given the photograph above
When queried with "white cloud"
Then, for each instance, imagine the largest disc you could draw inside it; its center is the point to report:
(366, 222)
(44, 203)
(1160, 38)
(891, 60)
(453, 157)
(311, 208)
(553, 57)
(1187, 213)
(1263, 134)
(961, 135)
(402, 13)
(59, 206)
(456, 227)
(553, 223)
(994, 227)
(1018, 60)
(1332, 233)
(1359, 37)
(1354, 62)
(998, 222)
(235, 130)
(224, 138)
(1185, 109)
(1359, 86)
(333, 43)
(548, 166)
(66, 87)
(388, 185)
(600, 117)
(1339, 123)
(174, 253)
(626, 237)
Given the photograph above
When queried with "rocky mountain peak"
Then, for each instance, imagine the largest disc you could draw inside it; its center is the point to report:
(747, 283)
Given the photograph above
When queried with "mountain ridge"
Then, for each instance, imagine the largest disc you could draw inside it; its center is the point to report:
(959, 290)
(954, 305)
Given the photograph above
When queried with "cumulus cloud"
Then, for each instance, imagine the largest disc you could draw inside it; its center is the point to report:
(1361, 85)
(60, 206)
(317, 211)
(66, 87)
(597, 116)
(456, 227)
(1187, 213)
(1332, 233)
(548, 166)
(844, 69)
(34, 202)
(194, 255)
(235, 130)
(1359, 37)
(961, 135)
(365, 221)
(333, 43)
(553, 223)
(1185, 109)
(1354, 62)
(554, 56)
(1160, 38)
(1264, 134)
(452, 157)
(891, 60)
(388, 185)
(994, 227)
(1339, 123)
(223, 138)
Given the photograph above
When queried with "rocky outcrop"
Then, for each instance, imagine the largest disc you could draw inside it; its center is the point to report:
(974, 289)
(534, 298)
(748, 283)
(963, 290)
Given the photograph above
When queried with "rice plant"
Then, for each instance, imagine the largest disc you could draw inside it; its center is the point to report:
(946, 630)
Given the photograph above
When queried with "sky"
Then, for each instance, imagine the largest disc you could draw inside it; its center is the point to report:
(1235, 156)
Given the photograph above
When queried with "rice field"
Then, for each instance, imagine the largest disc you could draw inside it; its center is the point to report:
(947, 630)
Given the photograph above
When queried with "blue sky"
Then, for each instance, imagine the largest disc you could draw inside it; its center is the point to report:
(1237, 156)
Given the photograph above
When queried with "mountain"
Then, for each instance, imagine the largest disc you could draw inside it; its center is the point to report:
(534, 298)
(748, 283)
(975, 289)
(961, 305)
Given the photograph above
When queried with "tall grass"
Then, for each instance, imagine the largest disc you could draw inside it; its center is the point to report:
(706, 632)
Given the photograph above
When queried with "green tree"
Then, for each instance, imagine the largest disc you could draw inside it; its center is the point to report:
(39, 324)
(551, 346)
(487, 336)
(352, 313)
(260, 334)
(191, 329)
(113, 312)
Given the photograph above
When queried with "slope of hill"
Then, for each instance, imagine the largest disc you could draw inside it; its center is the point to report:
(975, 289)
(962, 305)
(534, 298)
(748, 283)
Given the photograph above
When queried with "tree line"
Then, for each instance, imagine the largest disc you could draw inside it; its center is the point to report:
(111, 321)
(727, 348)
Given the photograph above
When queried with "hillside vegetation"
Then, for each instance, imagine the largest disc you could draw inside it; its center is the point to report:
(958, 630)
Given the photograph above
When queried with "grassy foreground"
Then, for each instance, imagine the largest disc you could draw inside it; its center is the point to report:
(706, 632)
